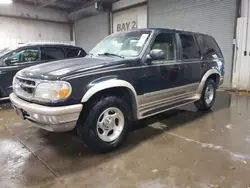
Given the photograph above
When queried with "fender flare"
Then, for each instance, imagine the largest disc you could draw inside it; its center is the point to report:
(205, 77)
(113, 83)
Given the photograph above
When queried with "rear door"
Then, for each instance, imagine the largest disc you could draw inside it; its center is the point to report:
(52, 53)
(14, 62)
(192, 60)
(211, 51)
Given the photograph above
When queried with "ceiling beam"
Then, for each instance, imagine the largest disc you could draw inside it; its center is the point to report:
(45, 3)
(75, 1)
(28, 11)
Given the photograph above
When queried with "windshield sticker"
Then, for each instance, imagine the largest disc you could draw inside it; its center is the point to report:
(142, 40)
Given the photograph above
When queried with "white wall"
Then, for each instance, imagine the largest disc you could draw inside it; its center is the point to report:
(14, 30)
(133, 18)
(241, 69)
(91, 30)
(27, 23)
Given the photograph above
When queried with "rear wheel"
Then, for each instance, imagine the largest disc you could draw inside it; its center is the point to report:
(106, 125)
(207, 97)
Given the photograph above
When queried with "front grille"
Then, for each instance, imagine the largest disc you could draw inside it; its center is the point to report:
(24, 88)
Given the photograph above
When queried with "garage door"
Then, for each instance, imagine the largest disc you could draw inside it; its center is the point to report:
(132, 18)
(91, 30)
(214, 17)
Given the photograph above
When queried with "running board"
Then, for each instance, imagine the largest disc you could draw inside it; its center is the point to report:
(4, 99)
(166, 108)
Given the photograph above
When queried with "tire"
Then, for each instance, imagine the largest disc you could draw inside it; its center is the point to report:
(95, 134)
(204, 104)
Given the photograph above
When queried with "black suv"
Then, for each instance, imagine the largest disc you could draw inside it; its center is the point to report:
(127, 76)
(15, 58)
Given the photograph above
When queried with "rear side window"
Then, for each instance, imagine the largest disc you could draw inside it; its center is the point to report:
(52, 53)
(72, 52)
(82, 53)
(211, 48)
(189, 47)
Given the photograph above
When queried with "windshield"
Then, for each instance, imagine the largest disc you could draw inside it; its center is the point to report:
(7, 50)
(127, 44)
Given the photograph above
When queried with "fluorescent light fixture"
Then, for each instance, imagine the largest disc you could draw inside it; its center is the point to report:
(5, 1)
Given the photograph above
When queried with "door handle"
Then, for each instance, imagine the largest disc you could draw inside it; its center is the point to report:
(177, 67)
(174, 68)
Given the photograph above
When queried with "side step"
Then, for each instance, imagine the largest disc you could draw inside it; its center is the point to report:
(4, 99)
(166, 108)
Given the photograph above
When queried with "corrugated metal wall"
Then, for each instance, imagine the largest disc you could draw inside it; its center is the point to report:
(214, 17)
(91, 30)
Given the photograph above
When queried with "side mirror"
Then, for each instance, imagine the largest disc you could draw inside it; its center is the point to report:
(157, 54)
(9, 61)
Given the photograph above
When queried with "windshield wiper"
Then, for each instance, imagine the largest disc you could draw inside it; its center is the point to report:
(110, 54)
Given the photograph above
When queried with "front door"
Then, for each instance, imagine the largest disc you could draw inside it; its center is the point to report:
(158, 73)
(14, 62)
(162, 78)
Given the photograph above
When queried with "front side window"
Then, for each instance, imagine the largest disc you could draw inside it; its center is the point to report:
(166, 43)
(127, 44)
(22, 56)
(52, 53)
(82, 53)
(189, 47)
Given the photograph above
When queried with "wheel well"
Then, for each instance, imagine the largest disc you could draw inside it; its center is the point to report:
(122, 92)
(215, 78)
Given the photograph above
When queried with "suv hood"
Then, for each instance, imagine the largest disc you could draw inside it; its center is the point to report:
(58, 69)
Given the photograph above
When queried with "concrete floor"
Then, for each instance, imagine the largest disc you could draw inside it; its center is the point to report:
(180, 148)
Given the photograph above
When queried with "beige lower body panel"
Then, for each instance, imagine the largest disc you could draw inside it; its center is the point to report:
(166, 98)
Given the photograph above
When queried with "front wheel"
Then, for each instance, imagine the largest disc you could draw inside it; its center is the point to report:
(106, 124)
(207, 97)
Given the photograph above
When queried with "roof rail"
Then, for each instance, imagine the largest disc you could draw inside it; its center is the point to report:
(177, 29)
(47, 42)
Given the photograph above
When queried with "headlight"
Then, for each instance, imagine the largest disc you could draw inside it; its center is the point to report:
(52, 91)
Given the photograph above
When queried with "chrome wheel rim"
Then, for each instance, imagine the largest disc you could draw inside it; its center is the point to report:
(209, 94)
(110, 124)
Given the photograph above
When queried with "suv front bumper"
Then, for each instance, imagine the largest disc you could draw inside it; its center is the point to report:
(55, 119)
